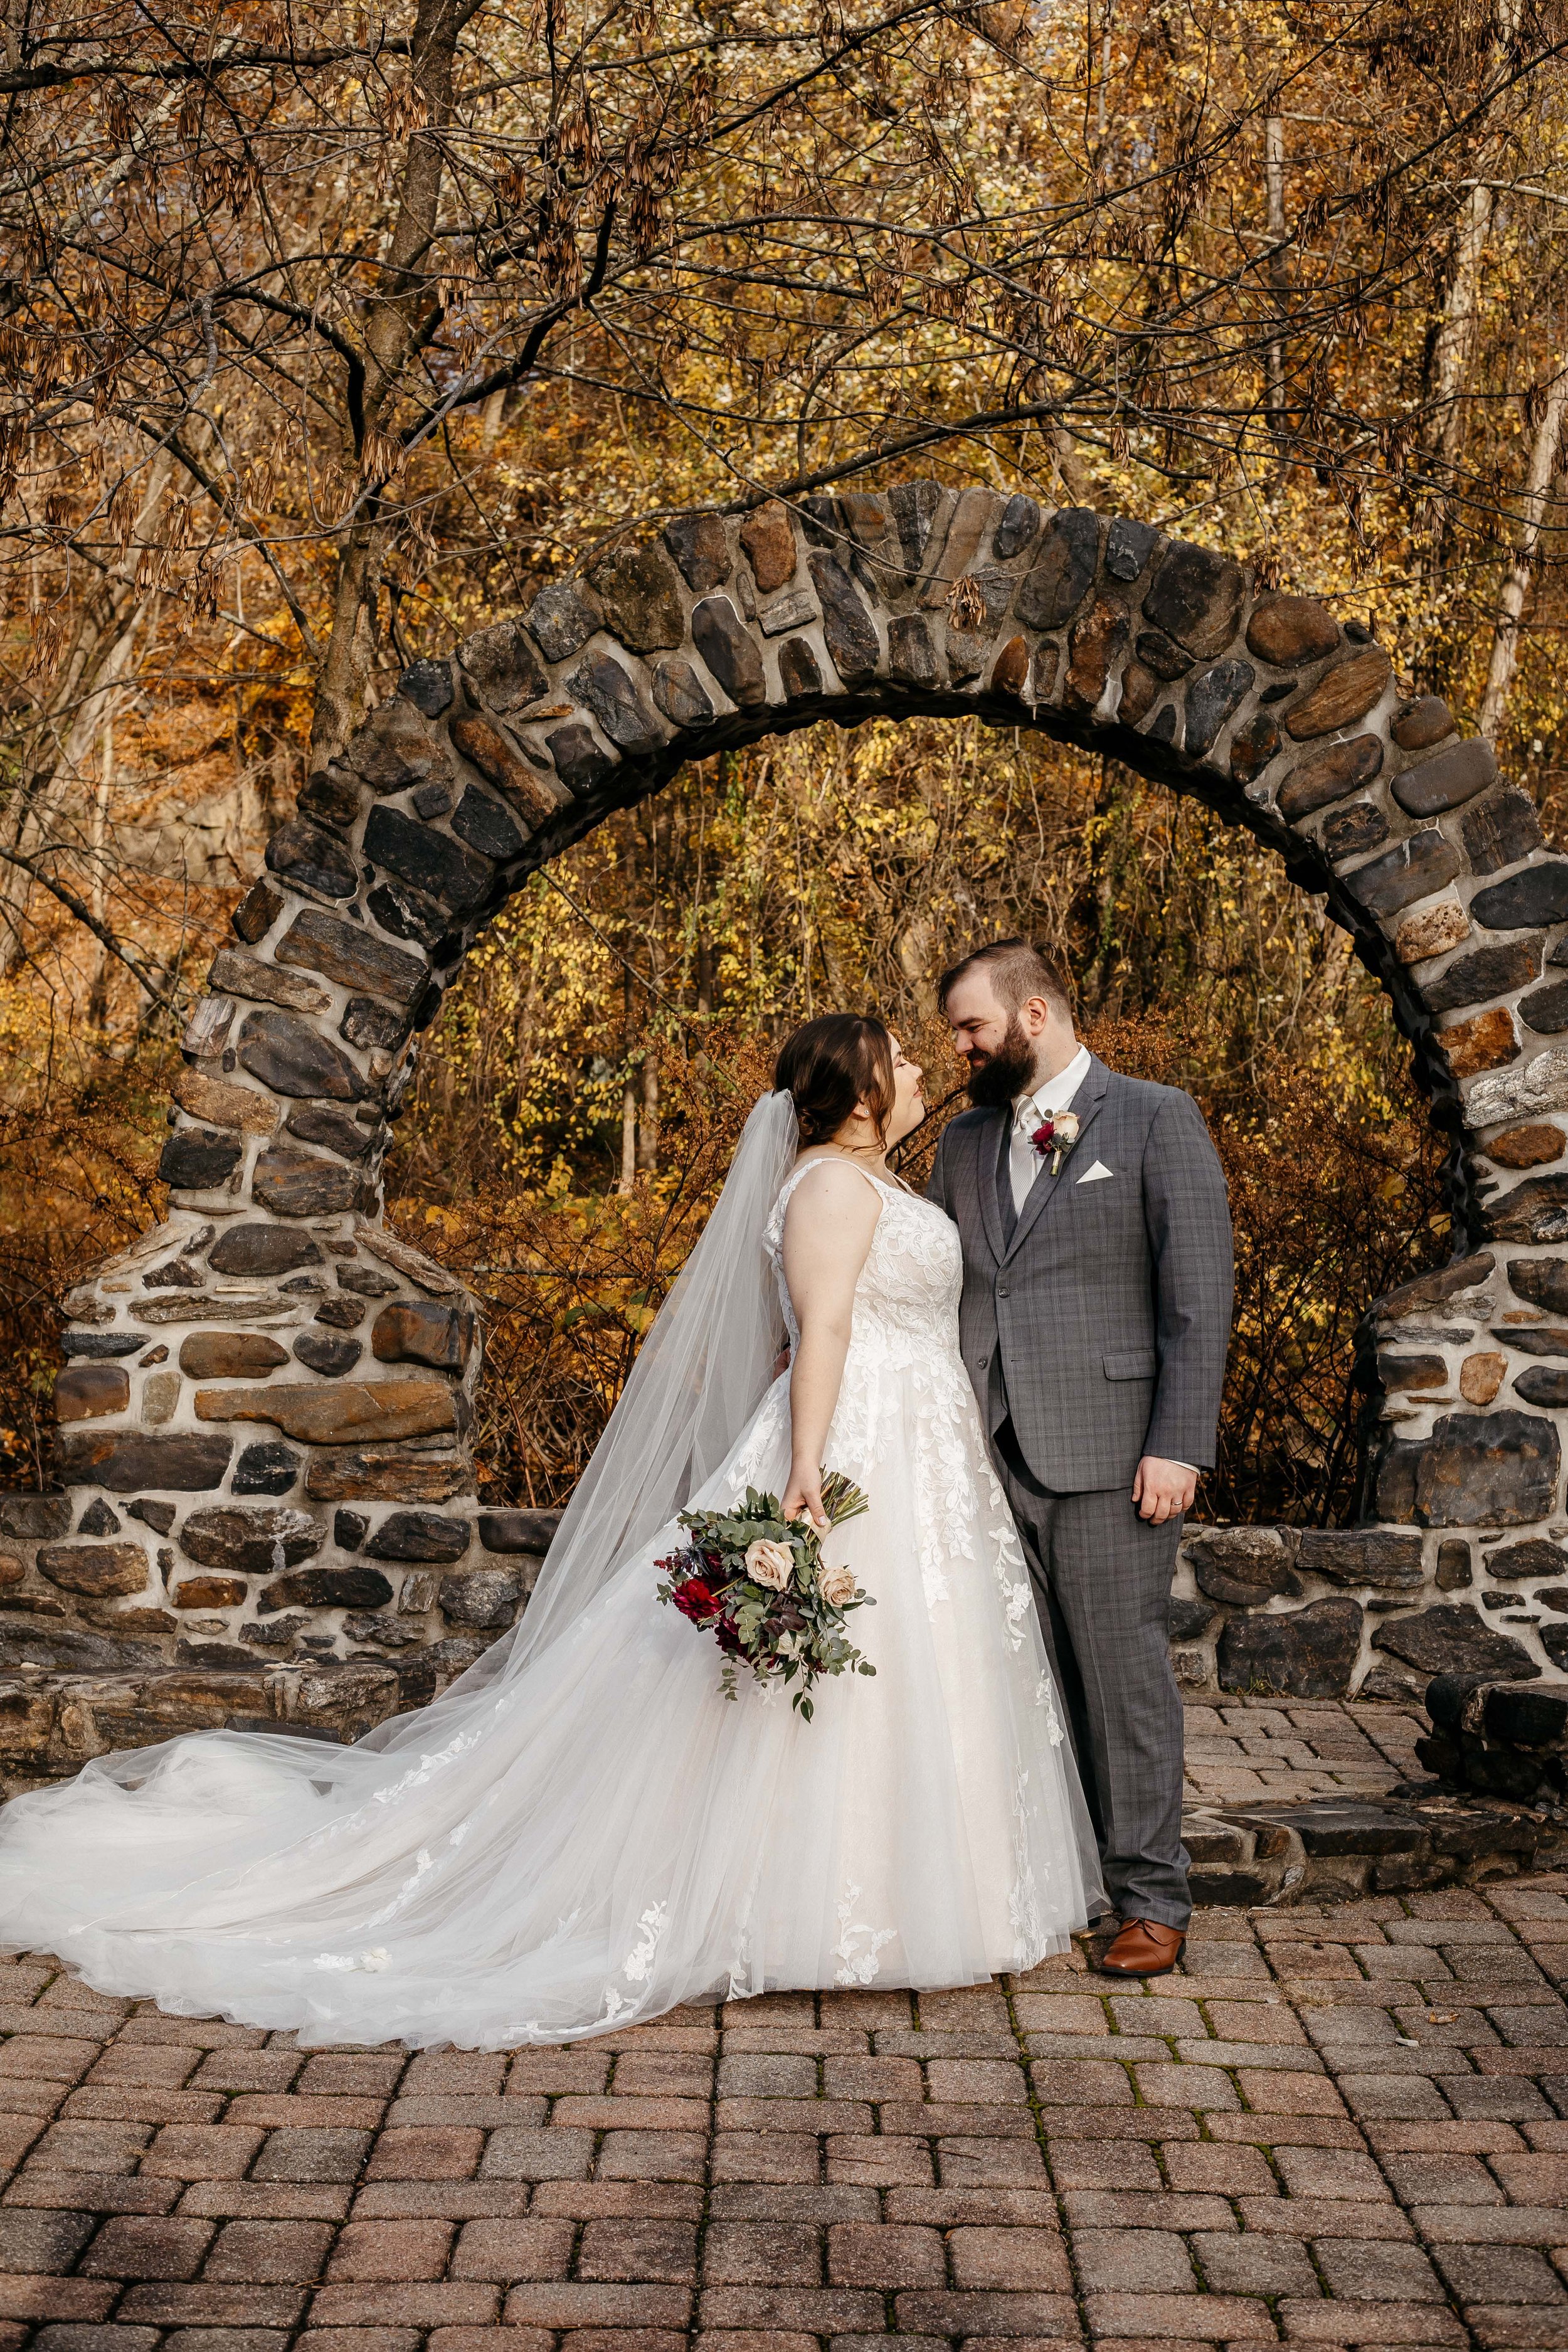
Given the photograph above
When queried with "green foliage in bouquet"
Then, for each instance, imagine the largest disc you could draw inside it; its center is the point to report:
(759, 1584)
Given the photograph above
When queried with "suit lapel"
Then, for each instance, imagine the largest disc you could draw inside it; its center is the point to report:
(987, 1146)
(1045, 1188)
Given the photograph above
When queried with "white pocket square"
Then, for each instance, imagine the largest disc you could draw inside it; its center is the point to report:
(1096, 1174)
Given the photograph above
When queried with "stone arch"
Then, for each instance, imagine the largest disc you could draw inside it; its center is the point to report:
(264, 1416)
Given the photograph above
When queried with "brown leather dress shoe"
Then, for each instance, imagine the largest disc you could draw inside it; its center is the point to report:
(1144, 1948)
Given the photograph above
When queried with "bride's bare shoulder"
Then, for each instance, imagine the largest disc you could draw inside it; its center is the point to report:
(829, 1187)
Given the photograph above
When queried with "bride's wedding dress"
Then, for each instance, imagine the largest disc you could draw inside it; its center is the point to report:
(587, 1832)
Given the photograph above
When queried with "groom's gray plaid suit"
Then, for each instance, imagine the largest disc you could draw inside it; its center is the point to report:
(1094, 1324)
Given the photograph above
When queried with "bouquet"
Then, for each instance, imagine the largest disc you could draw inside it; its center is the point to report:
(759, 1583)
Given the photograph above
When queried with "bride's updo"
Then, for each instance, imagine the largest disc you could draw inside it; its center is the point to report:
(831, 1064)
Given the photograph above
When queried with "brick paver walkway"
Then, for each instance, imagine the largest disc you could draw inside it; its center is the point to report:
(1336, 2127)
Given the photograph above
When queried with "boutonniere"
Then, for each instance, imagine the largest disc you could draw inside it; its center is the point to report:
(1056, 1136)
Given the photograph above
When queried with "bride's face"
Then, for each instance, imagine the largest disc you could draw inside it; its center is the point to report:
(909, 1102)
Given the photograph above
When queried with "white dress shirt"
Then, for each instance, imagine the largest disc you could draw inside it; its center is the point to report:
(1024, 1162)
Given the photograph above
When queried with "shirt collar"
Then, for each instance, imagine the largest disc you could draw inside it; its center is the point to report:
(1056, 1093)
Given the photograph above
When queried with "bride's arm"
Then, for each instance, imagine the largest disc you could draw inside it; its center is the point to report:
(828, 1225)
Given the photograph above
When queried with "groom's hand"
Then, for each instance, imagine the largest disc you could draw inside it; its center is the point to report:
(1164, 1490)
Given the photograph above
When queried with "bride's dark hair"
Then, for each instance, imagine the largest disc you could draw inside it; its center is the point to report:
(831, 1064)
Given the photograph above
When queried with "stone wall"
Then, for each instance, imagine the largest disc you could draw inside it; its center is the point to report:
(264, 1419)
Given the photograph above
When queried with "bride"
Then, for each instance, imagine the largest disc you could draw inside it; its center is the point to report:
(583, 1831)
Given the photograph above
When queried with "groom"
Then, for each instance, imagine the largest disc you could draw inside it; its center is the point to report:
(1095, 1318)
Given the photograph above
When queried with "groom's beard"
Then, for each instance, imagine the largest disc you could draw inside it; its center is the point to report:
(998, 1078)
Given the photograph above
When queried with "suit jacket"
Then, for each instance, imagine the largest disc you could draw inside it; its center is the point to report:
(1100, 1327)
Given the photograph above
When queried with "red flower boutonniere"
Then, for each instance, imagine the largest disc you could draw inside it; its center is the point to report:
(1056, 1136)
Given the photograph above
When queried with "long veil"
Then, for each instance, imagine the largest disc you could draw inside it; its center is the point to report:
(699, 1377)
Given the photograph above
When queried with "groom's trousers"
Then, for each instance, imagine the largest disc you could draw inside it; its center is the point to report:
(1101, 1577)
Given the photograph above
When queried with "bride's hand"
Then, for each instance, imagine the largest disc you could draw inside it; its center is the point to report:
(802, 1498)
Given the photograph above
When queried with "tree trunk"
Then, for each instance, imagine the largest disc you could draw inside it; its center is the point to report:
(393, 321)
(1274, 222)
(1516, 579)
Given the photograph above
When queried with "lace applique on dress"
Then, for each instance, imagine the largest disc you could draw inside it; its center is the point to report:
(858, 1944)
(1023, 1899)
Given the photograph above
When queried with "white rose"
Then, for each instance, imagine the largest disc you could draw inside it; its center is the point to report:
(770, 1563)
(837, 1586)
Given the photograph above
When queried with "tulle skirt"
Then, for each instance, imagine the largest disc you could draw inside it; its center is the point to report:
(601, 1834)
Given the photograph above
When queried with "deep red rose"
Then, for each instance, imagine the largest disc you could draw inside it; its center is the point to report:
(697, 1600)
(1044, 1136)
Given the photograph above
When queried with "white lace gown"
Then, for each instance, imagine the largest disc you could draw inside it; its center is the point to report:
(603, 1834)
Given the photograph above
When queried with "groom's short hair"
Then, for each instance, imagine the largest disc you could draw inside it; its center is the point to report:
(1017, 970)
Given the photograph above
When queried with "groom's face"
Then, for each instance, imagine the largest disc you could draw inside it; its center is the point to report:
(991, 1040)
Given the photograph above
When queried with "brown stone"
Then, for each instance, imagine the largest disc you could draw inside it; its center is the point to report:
(768, 538)
(209, 1592)
(257, 912)
(799, 673)
(1448, 779)
(130, 1462)
(1352, 831)
(248, 1540)
(261, 1250)
(160, 1395)
(224, 1106)
(640, 594)
(351, 956)
(1211, 699)
(1432, 933)
(1402, 1373)
(346, 1412)
(699, 546)
(1197, 599)
(730, 651)
(503, 667)
(387, 1245)
(1484, 1043)
(1429, 1292)
(678, 692)
(1329, 774)
(88, 1391)
(1011, 672)
(1166, 660)
(1418, 725)
(334, 1130)
(101, 1570)
(248, 976)
(1481, 1377)
(1096, 641)
(1288, 630)
(293, 1058)
(12, 1567)
(1343, 694)
(325, 1588)
(230, 1355)
(1140, 692)
(506, 768)
(414, 1332)
(396, 748)
(1062, 570)
(1543, 1281)
(297, 1184)
(1498, 831)
(1489, 972)
(1252, 747)
(372, 1474)
(1526, 1147)
(849, 631)
(1414, 868)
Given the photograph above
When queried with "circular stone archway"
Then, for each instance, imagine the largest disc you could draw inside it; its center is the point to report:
(264, 1414)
